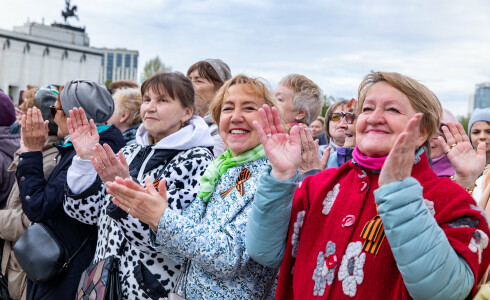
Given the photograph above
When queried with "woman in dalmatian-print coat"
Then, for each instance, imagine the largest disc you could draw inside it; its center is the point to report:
(172, 145)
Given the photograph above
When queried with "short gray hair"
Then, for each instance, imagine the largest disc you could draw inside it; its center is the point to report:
(307, 96)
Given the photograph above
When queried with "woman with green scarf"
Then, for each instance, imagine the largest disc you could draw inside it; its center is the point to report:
(208, 238)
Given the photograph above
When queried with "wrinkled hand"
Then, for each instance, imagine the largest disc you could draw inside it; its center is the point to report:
(309, 157)
(34, 130)
(107, 165)
(399, 163)
(283, 150)
(83, 133)
(467, 163)
(146, 205)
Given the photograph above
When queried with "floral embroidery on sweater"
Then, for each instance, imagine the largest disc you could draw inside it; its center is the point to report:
(297, 228)
(351, 269)
(322, 273)
(330, 199)
(478, 242)
(430, 206)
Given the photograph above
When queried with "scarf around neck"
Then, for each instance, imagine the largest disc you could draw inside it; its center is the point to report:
(376, 163)
(219, 166)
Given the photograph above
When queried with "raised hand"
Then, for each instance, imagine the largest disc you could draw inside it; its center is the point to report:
(399, 163)
(467, 163)
(83, 133)
(309, 157)
(34, 130)
(146, 205)
(107, 165)
(283, 150)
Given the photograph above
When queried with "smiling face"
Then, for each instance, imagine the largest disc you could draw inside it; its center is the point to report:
(163, 115)
(238, 110)
(350, 133)
(384, 115)
(205, 91)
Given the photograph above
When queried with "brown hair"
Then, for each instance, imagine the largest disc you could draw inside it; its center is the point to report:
(205, 70)
(120, 84)
(307, 96)
(256, 87)
(175, 84)
(129, 99)
(328, 116)
(421, 98)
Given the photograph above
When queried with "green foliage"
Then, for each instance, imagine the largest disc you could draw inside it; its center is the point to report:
(153, 66)
(464, 120)
(107, 83)
(329, 100)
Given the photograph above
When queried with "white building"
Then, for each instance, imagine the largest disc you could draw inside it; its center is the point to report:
(38, 54)
(118, 64)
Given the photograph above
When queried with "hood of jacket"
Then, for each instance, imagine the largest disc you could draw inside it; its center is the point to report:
(9, 143)
(195, 134)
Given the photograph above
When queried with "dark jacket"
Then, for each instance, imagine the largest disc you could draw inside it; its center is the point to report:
(42, 202)
(322, 140)
(9, 143)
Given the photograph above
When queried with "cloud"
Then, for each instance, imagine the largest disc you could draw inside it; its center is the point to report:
(444, 44)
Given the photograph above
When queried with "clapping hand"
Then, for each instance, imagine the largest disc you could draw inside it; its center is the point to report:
(107, 165)
(399, 163)
(146, 205)
(309, 156)
(467, 163)
(83, 133)
(283, 150)
(34, 130)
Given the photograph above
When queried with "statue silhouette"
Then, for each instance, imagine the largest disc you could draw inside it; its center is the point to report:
(69, 11)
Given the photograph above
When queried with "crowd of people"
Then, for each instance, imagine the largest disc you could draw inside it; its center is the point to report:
(214, 186)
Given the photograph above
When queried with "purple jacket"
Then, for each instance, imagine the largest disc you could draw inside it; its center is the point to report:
(9, 143)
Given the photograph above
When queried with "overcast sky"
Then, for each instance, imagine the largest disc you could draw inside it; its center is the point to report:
(443, 44)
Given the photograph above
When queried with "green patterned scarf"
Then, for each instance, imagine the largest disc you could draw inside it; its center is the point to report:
(219, 166)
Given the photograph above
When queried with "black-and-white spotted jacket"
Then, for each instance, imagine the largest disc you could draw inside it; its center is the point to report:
(144, 272)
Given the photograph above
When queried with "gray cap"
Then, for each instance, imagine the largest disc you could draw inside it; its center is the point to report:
(94, 98)
(220, 67)
(479, 114)
(44, 99)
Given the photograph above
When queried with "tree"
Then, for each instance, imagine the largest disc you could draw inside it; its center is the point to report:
(107, 83)
(328, 101)
(153, 66)
(464, 120)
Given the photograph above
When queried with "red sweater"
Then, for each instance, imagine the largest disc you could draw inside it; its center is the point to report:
(324, 257)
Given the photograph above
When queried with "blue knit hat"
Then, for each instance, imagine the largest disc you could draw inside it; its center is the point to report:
(7, 110)
(479, 114)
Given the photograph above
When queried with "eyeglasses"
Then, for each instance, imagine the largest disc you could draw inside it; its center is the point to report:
(349, 117)
(52, 111)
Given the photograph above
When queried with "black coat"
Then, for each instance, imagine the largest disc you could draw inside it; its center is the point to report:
(42, 202)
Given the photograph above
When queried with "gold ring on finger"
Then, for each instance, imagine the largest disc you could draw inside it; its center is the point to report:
(447, 151)
(453, 145)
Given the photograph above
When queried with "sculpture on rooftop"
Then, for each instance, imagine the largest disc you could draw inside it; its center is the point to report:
(69, 11)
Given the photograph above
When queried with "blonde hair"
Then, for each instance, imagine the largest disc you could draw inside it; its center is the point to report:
(29, 101)
(256, 87)
(128, 99)
(307, 96)
(421, 98)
